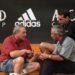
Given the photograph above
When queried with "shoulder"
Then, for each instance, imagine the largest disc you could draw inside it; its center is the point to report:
(7, 39)
(68, 41)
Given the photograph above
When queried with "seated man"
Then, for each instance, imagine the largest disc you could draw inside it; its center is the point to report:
(15, 52)
(62, 58)
(63, 20)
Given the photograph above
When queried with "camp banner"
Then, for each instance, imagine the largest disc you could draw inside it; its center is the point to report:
(36, 15)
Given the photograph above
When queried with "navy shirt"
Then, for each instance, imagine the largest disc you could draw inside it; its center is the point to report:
(69, 29)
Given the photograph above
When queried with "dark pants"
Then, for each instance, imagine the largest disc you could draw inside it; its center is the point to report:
(49, 67)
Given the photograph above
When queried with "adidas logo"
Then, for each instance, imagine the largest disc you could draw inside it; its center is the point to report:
(28, 19)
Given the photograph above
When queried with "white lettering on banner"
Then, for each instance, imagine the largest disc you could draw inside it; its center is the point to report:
(28, 19)
(29, 24)
(55, 15)
(2, 15)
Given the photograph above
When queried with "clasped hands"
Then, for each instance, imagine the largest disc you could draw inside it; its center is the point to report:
(41, 55)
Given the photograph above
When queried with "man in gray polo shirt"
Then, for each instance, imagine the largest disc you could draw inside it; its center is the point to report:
(62, 58)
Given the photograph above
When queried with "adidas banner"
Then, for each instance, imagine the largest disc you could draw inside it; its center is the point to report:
(36, 15)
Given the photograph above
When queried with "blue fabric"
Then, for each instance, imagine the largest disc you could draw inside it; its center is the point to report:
(7, 65)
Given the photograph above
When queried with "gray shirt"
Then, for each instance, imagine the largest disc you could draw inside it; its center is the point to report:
(67, 49)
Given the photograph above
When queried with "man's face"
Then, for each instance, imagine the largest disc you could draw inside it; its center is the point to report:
(54, 35)
(62, 20)
(21, 33)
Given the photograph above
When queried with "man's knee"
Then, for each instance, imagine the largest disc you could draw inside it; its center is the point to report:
(19, 60)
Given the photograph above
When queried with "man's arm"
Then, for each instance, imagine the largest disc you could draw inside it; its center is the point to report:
(48, 46)
(65, 51)
(17, 53)
(52, 57)
(56, 57)
(9, 49)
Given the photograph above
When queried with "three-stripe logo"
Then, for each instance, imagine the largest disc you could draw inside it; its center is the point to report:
(28, 19)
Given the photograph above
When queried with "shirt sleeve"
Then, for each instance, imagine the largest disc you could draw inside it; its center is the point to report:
(66, 49)
(7, 47)
(55, 51)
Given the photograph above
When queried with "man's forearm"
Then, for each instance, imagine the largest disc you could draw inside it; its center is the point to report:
(17, 53)
(56, 57)
(51, 47)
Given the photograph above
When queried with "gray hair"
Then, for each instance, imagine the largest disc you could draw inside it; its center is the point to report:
(58, 29)
(16, 28)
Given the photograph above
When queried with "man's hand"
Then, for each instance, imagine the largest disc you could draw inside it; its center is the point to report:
(55, 57)
(44, 56)
(26, 51)
(18, 53)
